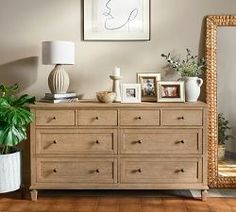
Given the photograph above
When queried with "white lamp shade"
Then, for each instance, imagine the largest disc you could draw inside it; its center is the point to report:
(58, 52)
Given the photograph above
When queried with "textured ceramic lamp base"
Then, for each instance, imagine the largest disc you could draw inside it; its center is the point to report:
(58, 80)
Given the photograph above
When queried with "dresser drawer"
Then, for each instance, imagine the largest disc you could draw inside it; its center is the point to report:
(165, 141)
(76, 141)
(55, 117)
(97, 117)
(182, 117)
(62, 170)
(171, 171)
(139, 117)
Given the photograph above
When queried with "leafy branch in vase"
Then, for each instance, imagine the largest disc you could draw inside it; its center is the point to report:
(189, 67)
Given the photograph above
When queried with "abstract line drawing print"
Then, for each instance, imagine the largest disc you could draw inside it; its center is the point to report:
(131, 16)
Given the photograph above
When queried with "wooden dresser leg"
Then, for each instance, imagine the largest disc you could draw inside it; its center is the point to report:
(204, 195)
(34, 195)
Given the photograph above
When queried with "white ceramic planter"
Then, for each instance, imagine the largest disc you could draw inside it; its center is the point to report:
(193, 88)
(10, 172)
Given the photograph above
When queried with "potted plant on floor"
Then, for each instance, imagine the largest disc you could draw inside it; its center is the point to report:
(223, 135)
(190, 69)
(14, 119)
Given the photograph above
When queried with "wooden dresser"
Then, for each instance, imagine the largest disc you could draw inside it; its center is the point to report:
(119, 146)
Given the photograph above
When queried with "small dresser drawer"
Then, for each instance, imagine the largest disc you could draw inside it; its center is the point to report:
(97, 117)
(55, 117)
(168, 170)
(62, 170)
(139, 117)
(165, 141)
(76, 141)
(171, 117)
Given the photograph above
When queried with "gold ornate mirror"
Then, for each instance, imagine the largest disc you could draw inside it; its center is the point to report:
(221, 97)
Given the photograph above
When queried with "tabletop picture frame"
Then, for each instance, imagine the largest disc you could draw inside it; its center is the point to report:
(148, 83)
(130, 93)
(116, 20)
(170, 91)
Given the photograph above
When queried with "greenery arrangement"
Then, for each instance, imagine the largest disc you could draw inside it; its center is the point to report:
(223, 129)
(14, 117)
(190, 67)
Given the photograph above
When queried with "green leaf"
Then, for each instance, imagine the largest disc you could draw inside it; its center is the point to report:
(14, 117)
(12, 135)
(25, 99)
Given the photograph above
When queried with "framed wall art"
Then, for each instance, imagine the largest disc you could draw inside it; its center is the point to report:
(116, 20)
(148, 83)
(170, 92)
(130, 93)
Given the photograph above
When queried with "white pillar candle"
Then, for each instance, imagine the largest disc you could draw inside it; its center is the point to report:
(116, 71)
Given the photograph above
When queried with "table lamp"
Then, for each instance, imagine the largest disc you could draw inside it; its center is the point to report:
(58, 53)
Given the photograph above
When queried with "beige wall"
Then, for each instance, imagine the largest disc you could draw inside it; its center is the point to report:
(176, 25)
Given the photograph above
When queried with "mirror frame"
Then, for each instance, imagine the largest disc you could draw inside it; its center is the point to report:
(212, 25)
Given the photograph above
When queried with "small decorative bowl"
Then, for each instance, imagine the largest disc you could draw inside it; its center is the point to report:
(106, 96)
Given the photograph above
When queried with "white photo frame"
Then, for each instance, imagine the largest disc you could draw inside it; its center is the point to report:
(170, 91)
(116, 20)
(130, 93)
(148, 83)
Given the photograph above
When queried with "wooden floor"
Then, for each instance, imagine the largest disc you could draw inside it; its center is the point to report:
(74, 201)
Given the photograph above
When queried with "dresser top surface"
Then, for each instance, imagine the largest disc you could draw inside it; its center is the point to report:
(94, 104)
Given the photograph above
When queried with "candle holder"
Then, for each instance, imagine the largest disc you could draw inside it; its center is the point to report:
(116, 87)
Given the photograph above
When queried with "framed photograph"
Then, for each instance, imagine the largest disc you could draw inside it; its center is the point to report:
(148, 83)
(116, 20)
(130, 93)
(170, 92)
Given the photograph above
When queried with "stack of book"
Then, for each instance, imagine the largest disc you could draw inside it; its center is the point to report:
(60, 98)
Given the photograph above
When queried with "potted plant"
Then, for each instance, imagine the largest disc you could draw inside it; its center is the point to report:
(223, 135)
(190, 69)
(14, 119)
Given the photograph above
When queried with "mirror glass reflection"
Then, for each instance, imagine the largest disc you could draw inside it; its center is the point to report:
(226, 94)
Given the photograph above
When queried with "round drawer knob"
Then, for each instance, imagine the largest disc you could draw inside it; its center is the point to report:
(97, 142)
(181, 118)
(96, 118)
(54, 142)
(140, 141)
(180, 170)
(54, 118)
(139, 118)
(140, 170)
(182, 141)
(97, 171)
(54, 170)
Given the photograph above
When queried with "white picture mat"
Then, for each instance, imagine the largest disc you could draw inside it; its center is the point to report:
(99, 14)
(125, 98)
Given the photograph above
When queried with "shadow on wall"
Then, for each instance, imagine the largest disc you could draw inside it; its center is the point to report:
(23, 72)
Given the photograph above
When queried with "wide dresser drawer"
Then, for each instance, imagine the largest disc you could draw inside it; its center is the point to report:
(86, 170)
(161, 141)
(178, 117)
(55, 117)
(168, 170)
(139, 117)
(76, 141)
(97, 117)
